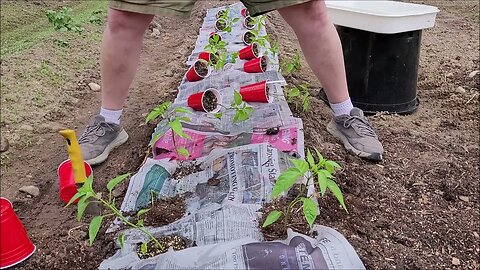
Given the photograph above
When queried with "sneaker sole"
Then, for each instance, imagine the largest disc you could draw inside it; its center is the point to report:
(332, 129)
(121, 139)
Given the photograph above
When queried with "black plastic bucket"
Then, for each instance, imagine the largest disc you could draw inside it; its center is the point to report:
(381, 69)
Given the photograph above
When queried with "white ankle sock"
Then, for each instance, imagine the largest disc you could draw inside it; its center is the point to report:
(342, 108)
(111, 116)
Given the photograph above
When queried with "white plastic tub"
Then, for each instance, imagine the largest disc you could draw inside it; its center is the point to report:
(386, 17)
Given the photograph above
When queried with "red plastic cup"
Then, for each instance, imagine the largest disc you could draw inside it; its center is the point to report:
(246, 25)
(195, 101)
(192, 75)
(15, 246)
(204, 55)
(255, 65)
(244, 12)
(66, 180)
(256, 92)
(215, 24)
(214, 33)
(247, 53)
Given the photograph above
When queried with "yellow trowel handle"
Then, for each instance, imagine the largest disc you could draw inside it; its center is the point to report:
(76, 158)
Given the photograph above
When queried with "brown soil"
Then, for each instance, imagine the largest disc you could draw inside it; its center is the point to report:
(185, 169)
(272, 131)
(263, 63)
(165, 211)
(255, 49)
(214, 58)
(295, 220)
(418, 209)
(248, 37)
(175, 241)
(221, 24)
(209, 101)
(201, 67)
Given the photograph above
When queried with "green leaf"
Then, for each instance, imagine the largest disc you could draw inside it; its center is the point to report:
(74, 198)
(235, 20)
(309, 210)
(81, 206)
(94, 227)
(184, 119)
(326, 173)
(88, 185)
(182, 110)
(178, 129)
(140, 223)
(294, 92)
(218, 115)
(321, 160)
(333, 187)
(160, 110)
(285, 181)
(183, 151)
(306, 103)
(322, 182)
(121, 240)
(115, 181)
(272, 217)
(237, 98)
(142, 211)
(143, 248)
(331, 166)
(311, 161)
(301, 165)
(154, 139)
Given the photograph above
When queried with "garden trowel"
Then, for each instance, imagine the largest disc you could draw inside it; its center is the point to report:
(75, 155)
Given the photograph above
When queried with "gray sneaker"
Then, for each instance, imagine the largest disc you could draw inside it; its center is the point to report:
(357, 135)
(99, 138)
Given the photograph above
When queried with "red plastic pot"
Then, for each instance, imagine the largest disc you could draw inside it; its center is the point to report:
(256, 92)
(215, 24)
(204, 55)
(192, 74)
(195, 101)
(255, 65)
(66, 180)
(245, 23)
(244, 12)
(243, 38)
(15, 246)
(213, 33)
(247, 53)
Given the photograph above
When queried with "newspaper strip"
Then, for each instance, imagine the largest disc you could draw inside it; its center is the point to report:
(328, 250)
(201, 143)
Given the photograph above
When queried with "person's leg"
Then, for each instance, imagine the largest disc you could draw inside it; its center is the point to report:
(121, 46)
(120, 54)
(322, 48)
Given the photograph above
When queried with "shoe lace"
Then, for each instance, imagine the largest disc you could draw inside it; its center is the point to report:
(360, 125)
(93, 131)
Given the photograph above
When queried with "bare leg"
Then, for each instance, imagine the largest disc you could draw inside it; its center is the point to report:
(122, 43)
(320, 45)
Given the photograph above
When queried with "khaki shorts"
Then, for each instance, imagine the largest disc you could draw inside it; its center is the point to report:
(184, 7)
